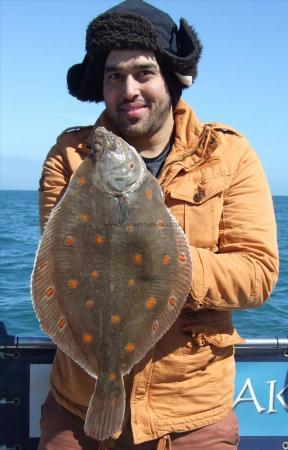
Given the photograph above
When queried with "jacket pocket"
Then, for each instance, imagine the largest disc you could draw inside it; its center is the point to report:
(212, 336)
(221, 335)
(197, 204)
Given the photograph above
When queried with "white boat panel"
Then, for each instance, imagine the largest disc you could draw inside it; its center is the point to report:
(39, 386)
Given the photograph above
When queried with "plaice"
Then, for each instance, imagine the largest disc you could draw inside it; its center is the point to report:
(111, 274)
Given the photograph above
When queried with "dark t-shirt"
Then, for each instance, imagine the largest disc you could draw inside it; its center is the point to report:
(154, 165)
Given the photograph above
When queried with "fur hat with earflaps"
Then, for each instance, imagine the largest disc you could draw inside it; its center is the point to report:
(134, 24)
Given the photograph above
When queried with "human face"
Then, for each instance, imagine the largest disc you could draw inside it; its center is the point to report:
(135, 93)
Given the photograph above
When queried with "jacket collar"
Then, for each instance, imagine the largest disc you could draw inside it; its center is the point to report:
(187, 126)
(193, 143)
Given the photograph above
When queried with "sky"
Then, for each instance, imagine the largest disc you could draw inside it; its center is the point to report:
(242, 79)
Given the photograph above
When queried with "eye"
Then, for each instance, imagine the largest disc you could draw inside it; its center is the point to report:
(114, 76)
(132, 165)
(145, 73)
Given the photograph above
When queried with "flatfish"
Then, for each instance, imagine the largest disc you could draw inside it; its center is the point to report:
(111, 273)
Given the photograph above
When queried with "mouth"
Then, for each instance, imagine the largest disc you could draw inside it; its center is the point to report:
(132, 109)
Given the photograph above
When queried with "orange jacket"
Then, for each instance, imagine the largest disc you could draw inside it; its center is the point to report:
(215, 186)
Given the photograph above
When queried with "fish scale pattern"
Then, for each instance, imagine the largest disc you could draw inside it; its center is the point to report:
(110, 277)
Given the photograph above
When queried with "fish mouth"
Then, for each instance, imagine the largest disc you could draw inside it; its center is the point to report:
(103, 139)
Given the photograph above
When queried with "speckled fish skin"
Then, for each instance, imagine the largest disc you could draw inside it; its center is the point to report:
(111, 274)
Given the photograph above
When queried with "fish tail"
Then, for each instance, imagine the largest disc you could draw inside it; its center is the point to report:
(106, 409)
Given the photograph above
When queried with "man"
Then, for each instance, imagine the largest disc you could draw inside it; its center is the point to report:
(180, 395)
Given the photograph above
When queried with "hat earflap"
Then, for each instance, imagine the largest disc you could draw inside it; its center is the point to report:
(189, 49)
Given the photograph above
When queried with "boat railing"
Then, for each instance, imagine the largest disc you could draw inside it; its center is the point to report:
(260, 400)
(44, 342)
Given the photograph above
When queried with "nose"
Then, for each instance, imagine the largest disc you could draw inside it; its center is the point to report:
(130, 88)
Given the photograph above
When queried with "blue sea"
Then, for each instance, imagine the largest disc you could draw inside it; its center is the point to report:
(19, 237)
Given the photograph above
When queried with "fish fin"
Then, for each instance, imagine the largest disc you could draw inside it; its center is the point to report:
(171, 287)
(183, 278)
(106, 409)
(49, 312)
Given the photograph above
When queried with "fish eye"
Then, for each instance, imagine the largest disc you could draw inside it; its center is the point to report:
(132, 165)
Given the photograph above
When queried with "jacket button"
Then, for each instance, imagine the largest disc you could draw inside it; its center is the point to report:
(198, 196)
(199, 340)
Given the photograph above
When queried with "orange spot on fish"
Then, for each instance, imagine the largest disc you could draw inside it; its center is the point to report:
(130, 347)
(115, 318)
(160, 224)
(99, 239)
(155, 326)
(50, 291)
(131, 282)
(112, 376)
(166, 260)
(61, 323)
(87, 338)
(150, 302)
(69, 240)
(137, 259)
(129, 228)
(72, 283)
(149, 193)
(182, 258)
(94, 274)
(84, 218)
(89, 304)
(82, 181)
(172, 301)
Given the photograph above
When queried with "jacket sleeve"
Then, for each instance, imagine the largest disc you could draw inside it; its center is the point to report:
(54, 180)
(244, 270)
